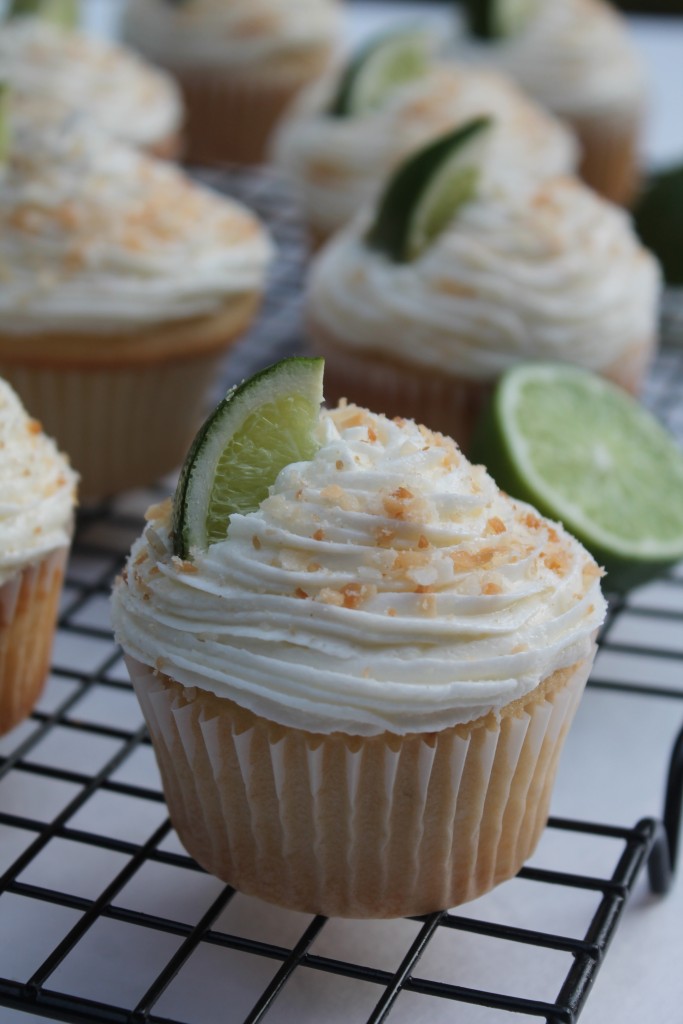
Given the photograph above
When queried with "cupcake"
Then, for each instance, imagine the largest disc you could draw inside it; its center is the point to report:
(38, 493)
(576, 58)
(238, 62)
(123, 285)
(358, 697)
(519, 271)
(339, 159)
(130, 100)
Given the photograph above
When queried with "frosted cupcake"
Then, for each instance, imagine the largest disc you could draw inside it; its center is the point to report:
(37, 497)
(576, 58)
(519, 271)
(338, 156)
(123, 286)
(130, 100)
(239, 63)
(358, 697)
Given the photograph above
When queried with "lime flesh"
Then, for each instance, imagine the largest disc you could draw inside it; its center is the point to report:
(378, 70)
(60, 12)
(259, 428)
(425, 193)
(585, 453)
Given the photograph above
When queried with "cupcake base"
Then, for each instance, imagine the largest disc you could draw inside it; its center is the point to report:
(433, 396)
(169, 148)
(381, 826)
(28, 612)
(610, 158)
(124, 407)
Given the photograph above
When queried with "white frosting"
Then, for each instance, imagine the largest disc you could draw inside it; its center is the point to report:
(339, 163)
(129, 99)
(387, 584)
(95, 237)
(574, 56)
(237, 34)
(540, 272)
(37, 490)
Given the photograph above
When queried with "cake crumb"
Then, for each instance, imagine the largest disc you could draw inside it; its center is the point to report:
(496, 525)
(256, 542)
(319, 535)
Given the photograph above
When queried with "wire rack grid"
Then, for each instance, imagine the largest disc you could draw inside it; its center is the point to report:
(103, 916)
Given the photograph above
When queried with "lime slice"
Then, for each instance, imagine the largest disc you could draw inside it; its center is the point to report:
(658, 219)
(380, 67)
(499, 19)
(259, 427)
(60, 12)
(425, 193)
(586, 453)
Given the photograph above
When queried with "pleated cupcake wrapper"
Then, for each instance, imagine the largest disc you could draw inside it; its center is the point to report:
(230, 118)
(610, 161)
(359, 827)
(28, 611)
(123, 426)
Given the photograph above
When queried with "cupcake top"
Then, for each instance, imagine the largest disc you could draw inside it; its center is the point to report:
(235, 34)
(96, 237)
(523, 271)
(339, 163)
(574, 56)
(387, 584)
(130, 100)
(37, 489)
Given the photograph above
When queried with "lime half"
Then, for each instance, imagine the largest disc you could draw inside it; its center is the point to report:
(425, 193)
(380, 67)
(262, 425)
(60, 12)
(499, 19)
(586, 453)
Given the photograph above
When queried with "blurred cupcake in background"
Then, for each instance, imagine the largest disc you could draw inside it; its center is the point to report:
(38, 494)
(123, 285)
(239, 63)
(130, 100)
(577, 58)
(344, 135)
(462, 271)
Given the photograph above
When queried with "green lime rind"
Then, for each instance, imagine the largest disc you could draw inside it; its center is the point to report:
(658, 218)
(5, 126)
(378, 68)
(587, 454)
(498, 19)
(425, 193)
(60, 12)
(261, 426)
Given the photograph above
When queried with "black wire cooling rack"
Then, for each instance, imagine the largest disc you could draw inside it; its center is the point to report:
(104, 918)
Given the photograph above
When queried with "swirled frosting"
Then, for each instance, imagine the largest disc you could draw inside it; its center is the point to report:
(574, 56)
(239, 34)
(96, 237)
(387, 584)
(339, 163)
(131, 101)
(37, 490)
(546, 271)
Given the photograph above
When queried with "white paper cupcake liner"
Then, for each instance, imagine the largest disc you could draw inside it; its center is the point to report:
(382, 826)
(28, 612)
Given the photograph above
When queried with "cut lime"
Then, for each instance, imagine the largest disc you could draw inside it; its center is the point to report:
(585, 453)
(658, 216)
(262, 425)
(380, 67)
(60, 12)
(499, 19)
(426, 191)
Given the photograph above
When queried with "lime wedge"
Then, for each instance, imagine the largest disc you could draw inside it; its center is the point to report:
(425, 193)
(60, 12)
(262, 425)
(380, 67)
(499, 19)
(658, 216)
(586, 453)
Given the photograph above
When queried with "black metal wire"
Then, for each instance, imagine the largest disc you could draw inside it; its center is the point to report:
(652, 842)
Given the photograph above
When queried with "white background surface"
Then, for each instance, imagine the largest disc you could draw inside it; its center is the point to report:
(612, 771)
